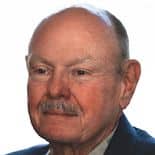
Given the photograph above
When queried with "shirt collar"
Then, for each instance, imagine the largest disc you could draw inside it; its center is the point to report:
(101, 148)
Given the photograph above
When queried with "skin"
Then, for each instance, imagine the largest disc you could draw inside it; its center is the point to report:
(79, 53)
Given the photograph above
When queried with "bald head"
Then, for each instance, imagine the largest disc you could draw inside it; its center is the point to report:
(87, 16)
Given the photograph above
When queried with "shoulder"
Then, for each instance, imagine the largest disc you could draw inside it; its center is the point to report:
(134, 141)
(39, 150)
(144, 142)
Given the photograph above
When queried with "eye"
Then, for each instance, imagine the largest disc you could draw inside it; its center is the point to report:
(39, 71)
(80, 72)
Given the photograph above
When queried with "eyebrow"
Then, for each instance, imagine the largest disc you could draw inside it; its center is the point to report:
(33, 57)
(78, 60)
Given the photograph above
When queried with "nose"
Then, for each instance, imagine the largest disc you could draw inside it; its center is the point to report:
(58, 86)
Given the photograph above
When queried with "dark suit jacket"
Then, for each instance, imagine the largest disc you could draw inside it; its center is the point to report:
(127, 140)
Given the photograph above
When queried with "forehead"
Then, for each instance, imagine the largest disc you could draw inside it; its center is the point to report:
(74, 32)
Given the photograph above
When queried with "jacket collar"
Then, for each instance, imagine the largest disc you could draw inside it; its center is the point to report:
(123, 140)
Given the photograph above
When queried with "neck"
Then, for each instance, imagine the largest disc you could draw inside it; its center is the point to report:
(67, 149)
(74, 149)
(78, 149)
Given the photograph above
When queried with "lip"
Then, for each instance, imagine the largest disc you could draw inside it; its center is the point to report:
(60, 113)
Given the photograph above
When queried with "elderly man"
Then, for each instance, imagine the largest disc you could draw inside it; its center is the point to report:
(80, 80)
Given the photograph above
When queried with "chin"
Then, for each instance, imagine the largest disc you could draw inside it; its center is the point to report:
(63, 134)
(61, 137)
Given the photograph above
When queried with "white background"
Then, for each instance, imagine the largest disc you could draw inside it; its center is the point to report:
(18, 18)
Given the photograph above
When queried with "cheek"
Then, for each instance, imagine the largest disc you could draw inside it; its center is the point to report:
(96, 97)
(99, 105)
(35, 92)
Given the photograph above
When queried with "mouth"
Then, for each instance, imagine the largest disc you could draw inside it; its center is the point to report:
(59, 112)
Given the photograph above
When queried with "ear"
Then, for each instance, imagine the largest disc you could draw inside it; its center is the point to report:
(131, 74)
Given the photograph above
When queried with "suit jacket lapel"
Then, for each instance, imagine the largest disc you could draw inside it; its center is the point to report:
(122, 143)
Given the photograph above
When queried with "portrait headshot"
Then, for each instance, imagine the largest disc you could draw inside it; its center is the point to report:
(80, 77)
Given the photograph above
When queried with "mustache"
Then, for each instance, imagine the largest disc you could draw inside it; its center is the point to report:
(60, 108)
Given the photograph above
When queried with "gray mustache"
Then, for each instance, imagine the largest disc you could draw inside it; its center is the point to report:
(60, 107)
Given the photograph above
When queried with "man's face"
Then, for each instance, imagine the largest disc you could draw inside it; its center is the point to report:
(73, 87)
